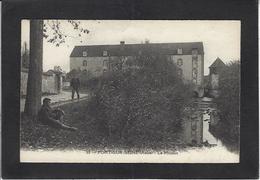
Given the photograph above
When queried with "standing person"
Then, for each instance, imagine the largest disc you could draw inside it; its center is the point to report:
(75, 85)
(52, 117)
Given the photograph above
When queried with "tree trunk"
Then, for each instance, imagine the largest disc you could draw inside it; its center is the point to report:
(34, 84)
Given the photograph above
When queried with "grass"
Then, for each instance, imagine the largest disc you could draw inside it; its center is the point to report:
(89, 136)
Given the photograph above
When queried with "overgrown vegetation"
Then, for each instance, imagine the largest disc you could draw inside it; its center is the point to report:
(135, 107)
(228, 104)
(140, 105)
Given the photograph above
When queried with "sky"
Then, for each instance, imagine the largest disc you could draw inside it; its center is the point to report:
(220, 38)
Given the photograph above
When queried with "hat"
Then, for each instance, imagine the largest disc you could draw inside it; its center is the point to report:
(46, 100)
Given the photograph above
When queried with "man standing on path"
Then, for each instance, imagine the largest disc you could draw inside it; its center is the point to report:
(75, 85)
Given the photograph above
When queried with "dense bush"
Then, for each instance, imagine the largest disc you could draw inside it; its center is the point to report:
(140, 105)
(228, 103)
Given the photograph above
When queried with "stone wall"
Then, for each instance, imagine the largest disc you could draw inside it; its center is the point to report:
(49, 83)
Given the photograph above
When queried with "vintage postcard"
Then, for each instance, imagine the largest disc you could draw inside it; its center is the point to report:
(130, 91)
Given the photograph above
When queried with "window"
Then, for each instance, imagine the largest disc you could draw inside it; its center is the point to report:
(194, 52)
(194, 73)
(179, 72)
(179, 62)
(105, 63)
(104, 53)
(195, 62)
(85, 63)
(85, 53)
(179, 51)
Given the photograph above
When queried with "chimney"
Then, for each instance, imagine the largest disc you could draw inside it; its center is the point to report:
(122, 44)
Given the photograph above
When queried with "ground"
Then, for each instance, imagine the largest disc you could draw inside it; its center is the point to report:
(89, 137)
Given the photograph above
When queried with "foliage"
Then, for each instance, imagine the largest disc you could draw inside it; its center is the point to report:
(140, 105)
(85, 77)
(89, 137)
(228, 102)
(53, 32)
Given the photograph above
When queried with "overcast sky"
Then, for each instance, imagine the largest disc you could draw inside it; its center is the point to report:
(220, 38)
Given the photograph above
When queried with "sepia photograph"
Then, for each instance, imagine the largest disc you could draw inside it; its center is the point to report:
(130, 91)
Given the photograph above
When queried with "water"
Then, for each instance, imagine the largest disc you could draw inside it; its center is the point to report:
(207, 136)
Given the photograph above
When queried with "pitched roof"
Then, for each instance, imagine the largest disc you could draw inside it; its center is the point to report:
(217, 63)
(134, 49)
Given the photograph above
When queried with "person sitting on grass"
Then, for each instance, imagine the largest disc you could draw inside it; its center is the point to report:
(50, 117)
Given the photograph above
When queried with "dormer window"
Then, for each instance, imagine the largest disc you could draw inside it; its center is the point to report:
(85, 53)
(179, 51)
(104, 53)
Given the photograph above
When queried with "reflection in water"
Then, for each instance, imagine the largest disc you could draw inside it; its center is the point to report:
(207, 136)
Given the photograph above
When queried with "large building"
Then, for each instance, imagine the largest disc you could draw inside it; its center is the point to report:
(189, 57)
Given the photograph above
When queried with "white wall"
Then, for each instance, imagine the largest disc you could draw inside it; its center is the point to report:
(95, 65)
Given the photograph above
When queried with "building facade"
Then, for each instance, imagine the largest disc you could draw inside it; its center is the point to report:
(97, 59)
(214, 71)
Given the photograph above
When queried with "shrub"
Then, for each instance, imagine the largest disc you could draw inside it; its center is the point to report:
(228, 102)
(141, 106)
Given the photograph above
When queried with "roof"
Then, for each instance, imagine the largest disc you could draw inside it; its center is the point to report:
(217, 63)
(134, 49)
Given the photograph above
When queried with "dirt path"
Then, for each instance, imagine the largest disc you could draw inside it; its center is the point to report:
(58, 99)
(61, 103)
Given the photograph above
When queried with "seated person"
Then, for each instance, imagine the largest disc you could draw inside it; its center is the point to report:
(50, 117)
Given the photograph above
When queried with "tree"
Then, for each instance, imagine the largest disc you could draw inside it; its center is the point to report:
(34, 83)
(52, 32)
(25, 56)
(228, 104)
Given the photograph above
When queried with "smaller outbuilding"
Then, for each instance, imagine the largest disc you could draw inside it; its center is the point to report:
(214, 71)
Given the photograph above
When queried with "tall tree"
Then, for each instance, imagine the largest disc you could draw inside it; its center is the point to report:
(51, 30)
(25, 56)
(34, 85)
